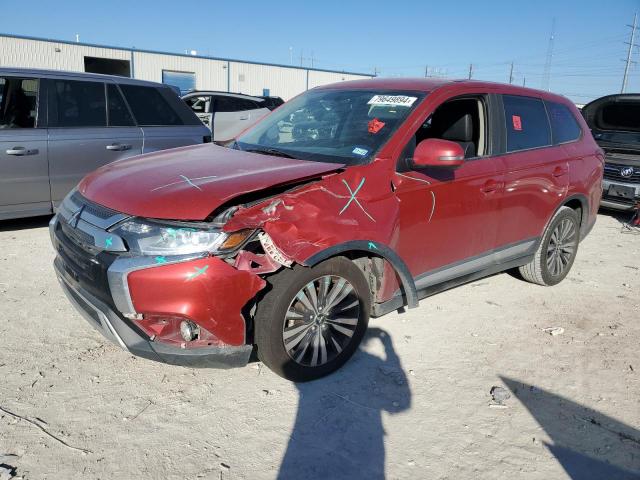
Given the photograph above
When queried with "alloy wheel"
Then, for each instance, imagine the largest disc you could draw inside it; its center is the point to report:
(562, 247)
(321, 320)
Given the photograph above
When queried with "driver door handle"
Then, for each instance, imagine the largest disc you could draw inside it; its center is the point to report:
(118, 147)
(21, 151)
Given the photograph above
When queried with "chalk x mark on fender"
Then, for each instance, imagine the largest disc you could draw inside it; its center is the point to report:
(353, 198)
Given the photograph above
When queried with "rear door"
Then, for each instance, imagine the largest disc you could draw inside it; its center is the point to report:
(166, 121)
(537, 172)
(90, 126)
(231, 115)
(24, 173)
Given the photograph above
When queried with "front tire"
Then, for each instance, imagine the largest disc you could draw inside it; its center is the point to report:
(557, 250)
(313, 319)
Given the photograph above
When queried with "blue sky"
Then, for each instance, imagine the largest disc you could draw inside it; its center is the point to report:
(397, 38)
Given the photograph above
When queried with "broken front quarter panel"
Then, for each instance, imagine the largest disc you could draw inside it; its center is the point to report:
(352, 210)
(357, 204)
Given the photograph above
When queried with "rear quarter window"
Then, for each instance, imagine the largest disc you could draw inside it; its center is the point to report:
(564, 125)
(149, 107)
(527, 124)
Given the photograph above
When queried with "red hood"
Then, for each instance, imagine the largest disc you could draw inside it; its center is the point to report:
(188, 183)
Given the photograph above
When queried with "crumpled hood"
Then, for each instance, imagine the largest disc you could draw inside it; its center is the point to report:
(188, 183)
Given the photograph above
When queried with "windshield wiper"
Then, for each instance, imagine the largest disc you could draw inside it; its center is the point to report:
(271, 151)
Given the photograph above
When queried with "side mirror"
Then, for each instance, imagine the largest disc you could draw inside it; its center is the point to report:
(434, 152)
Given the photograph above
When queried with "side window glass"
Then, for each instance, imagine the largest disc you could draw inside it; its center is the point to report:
(527, 124)
(149, 107)
(18, 102)
(198, 104)
(234, 104)
(119, 115)
(459, 120)
(226, 104)
(77, 104)
(564, 126)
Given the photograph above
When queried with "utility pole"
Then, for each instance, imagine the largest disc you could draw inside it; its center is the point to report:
(470, 70)
(375, 71)
(300, 57)
(511, 74)
(524, 81)
(547, 66)
(426, 71)
(290, 55)
(629, 52)
(312, 59)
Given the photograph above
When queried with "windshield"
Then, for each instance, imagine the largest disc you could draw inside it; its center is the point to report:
(340, 126)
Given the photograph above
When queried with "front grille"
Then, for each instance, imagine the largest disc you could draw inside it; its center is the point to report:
(84, 264)
(612, 172)
(93, 208)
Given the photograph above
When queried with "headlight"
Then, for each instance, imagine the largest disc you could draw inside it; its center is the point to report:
(150, 238)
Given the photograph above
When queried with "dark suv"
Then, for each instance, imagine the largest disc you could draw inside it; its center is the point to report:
(615, 123)
(349, 201)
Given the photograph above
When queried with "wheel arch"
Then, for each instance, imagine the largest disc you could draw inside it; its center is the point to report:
(578, 202)
(372, 249)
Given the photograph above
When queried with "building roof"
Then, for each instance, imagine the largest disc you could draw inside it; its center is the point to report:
(158, 52)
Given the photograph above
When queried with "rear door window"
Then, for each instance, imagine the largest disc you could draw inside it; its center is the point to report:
(234, 104)
(199, 104)
(564, 126)
(18, 102)
(77, 104)
(527, 124)
(119, 115)
(149, 107)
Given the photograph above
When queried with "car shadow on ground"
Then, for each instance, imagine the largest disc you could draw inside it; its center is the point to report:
(24, 223)
(338, 431)
(588, 444)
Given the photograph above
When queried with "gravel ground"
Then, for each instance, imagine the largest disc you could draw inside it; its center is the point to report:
(414, 402)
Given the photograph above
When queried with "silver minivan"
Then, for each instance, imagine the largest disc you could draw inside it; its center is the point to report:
(55, 127)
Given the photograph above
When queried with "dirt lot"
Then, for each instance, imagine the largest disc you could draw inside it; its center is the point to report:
(413, 403)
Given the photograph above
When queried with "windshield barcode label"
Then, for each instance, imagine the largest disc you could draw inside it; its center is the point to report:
(395, 100)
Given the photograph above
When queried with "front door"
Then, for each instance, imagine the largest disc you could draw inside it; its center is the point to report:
(84, 134)
(449, 217)
(24, 173)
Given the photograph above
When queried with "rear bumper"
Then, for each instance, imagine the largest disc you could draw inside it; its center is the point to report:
(115, 329)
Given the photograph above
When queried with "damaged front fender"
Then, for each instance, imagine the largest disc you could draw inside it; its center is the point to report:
(352, 210)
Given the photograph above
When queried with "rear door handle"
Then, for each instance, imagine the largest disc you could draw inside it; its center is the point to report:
(491, 186)
(560, 171)
(118, 147)
(21, 151)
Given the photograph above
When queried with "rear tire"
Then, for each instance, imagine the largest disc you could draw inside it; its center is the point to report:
(557, 250)
(313, 319)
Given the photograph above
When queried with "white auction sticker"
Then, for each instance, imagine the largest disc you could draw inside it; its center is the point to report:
(395, 100)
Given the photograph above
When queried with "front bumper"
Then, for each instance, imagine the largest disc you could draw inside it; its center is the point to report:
(102, 317)
(116, 292)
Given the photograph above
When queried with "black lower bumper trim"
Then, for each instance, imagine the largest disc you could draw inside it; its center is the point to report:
(115, 329)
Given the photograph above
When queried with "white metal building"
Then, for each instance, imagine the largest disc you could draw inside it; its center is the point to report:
(183, 70)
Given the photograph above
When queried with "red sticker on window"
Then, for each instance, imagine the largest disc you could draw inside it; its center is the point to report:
(517, 122)
(375, 125)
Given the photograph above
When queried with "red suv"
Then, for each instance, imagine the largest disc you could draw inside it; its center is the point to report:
(349, 201)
